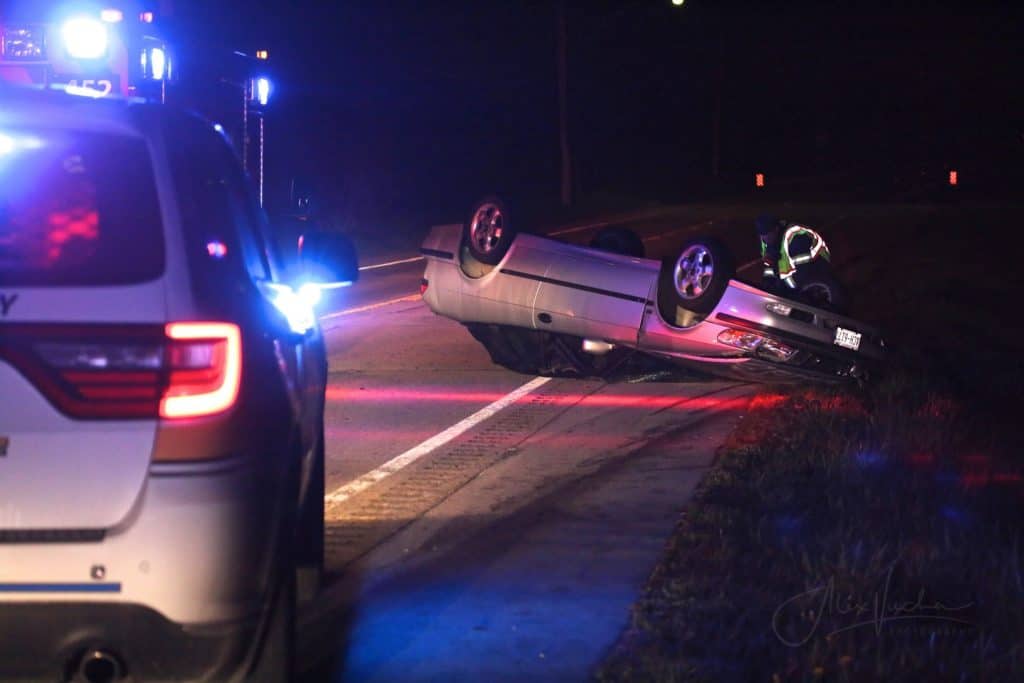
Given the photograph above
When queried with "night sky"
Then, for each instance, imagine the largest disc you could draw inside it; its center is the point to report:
(398, 109)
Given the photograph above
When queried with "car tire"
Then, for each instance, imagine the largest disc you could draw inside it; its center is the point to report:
(309, 539)
(818, 287)
(695, 278)
(619, 241)
(489, 231)
(275, 659)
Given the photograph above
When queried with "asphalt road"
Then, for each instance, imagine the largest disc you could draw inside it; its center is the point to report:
(483, 524)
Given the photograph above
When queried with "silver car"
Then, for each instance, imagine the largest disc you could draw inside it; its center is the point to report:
(161, 402)
(541, 305)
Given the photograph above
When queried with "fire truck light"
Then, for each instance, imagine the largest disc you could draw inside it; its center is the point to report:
(84, 38)
(112, 16)
(6, 144)
(157, 63)
(263, 91)
(262, 54)
(146, 17)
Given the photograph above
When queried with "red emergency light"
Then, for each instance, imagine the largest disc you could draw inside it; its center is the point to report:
(759, 179)
(953, 179)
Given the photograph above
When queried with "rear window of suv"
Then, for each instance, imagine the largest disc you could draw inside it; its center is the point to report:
(77, 209)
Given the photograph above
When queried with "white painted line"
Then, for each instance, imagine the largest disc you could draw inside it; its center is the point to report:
(343, 493)
(751, 264)
(375, 266)
(370, 307)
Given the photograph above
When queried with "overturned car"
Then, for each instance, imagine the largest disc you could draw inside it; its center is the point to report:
(543, 306)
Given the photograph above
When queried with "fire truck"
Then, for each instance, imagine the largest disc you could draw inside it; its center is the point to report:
(131, 50)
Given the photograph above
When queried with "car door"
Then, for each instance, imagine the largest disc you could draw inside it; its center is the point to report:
(223, 217)
(594, 294)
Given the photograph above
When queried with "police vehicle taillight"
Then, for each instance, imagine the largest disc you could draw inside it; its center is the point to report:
(118, 372)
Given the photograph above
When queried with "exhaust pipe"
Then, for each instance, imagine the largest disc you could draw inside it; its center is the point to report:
(100, 666)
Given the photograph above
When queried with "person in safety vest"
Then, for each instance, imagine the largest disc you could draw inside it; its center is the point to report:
(787, 249)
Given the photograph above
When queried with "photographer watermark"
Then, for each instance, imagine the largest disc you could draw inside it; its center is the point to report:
(827, 611)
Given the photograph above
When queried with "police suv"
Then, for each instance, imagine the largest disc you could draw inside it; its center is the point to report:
(162, 384)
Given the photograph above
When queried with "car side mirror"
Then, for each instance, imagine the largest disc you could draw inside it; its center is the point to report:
(328, 259)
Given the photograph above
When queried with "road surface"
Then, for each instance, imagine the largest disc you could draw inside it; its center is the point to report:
(486, 525)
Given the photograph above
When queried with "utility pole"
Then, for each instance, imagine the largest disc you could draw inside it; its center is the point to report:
(716, 126)
(563, 103)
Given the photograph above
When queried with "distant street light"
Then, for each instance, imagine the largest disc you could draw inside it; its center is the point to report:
(678, 3)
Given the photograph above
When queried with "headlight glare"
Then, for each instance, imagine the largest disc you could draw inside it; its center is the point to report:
(84, 38)
(157, 63)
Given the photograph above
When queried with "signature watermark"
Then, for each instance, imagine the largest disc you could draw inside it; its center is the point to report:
(827, 611)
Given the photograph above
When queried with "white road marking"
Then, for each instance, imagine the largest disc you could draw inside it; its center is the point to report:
(375, 266)
(370, 307)
(343, 493)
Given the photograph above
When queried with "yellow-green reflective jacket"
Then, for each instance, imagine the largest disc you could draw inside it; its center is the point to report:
(789, 261)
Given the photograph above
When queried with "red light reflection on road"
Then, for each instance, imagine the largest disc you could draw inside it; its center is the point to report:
(922, 459)
(432, 394)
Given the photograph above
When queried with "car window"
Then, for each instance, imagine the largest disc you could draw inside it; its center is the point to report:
(77, 209)
(213, 196)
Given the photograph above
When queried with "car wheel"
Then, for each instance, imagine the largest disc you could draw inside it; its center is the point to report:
(695, 279)
(309, 539)
(619, 241)
(821, 289)
(276, 656)
(489, 233)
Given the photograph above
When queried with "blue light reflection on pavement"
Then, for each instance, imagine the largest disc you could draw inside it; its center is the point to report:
(508, 621)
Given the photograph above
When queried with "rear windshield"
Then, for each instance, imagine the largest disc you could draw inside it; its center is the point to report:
(77, 209)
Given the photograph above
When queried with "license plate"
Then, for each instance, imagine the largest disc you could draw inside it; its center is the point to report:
(848, 339)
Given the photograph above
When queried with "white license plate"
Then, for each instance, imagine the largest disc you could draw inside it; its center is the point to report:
(848, 339)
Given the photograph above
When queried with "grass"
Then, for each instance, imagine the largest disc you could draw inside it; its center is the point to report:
(830, 513)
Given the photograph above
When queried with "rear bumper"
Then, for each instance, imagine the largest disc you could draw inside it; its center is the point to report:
(195, 549)
(49, 640)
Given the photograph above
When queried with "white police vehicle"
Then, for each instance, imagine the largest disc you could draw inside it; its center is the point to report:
(161, 400)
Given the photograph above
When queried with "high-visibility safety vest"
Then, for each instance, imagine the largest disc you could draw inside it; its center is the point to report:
(789, 261)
